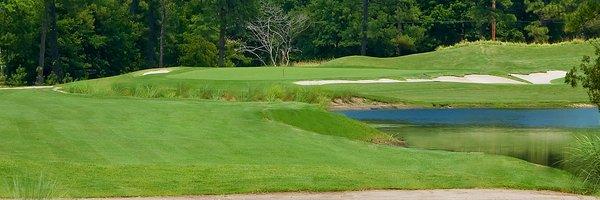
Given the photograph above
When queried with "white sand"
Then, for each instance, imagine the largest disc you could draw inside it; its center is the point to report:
(542, 78)
(482, 79)
(157, 71)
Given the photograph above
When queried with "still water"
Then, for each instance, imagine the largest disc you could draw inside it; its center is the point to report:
(536, 135)
(556, 118)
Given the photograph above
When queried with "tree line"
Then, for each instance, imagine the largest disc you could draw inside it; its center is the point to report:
(55, 41)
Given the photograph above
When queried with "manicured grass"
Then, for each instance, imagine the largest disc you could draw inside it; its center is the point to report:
(312, 120)
(468, 95)
(482, 57)
(176, 85)
(116, 146)
(295, 73)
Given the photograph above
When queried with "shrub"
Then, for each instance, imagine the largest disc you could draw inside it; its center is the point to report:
(52, 79)
(18, 78)
(583, 160)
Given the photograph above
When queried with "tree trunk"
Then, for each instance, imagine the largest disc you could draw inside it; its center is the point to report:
(163, 22)
(493, 20)
(365, 21)
(153, 34)
(399, 28)
(42, 56)
(53, 40)
(222, 31)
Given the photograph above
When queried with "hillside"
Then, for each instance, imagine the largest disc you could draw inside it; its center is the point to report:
(482, 57)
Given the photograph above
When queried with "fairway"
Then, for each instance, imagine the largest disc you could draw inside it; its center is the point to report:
(95, 147)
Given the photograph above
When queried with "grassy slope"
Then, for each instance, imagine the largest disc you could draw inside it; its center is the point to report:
(184, 83)
(481, 57)
(131, 147)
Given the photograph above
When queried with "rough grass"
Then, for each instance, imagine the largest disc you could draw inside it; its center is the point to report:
(109, 146)
(583, 159)
(482, 57)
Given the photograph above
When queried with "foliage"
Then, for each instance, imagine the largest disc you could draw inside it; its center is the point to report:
(584, 20)
(582, 160)
(590, 79)
(537, 32)
(196, 51)
(99, 38)
(19, 78)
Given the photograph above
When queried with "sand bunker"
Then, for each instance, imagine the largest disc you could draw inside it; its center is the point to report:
(157, 71)
(482, 79)
(542, 78)
(535, 78)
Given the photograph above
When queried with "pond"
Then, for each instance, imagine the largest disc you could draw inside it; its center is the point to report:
(536, 135)
(557, 118)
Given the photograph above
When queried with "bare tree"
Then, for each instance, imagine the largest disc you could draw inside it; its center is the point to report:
(274, 33)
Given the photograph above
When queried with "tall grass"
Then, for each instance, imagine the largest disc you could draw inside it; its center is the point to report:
(518, 44)
(32, 189)
(583, 160)
(273, 93)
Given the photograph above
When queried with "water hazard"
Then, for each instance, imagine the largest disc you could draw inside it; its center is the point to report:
(537, 135)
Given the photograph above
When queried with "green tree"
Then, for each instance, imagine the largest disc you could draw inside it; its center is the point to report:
(584, 20)
(537, 32)
(231, 13)
(590, 76)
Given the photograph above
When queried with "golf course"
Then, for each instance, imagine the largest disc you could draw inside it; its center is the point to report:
(204, 131)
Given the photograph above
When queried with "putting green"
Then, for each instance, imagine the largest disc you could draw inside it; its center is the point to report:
(293, 73)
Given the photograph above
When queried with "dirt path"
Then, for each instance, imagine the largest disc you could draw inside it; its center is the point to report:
(472, 194)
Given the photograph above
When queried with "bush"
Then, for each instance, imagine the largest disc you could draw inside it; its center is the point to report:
(18, 78)
(2, 78)
(52, 79)
(583, 160)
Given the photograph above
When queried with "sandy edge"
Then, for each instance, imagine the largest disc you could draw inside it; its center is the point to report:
(477, 194)
(27, 88)
(157, 71)
(534, 78)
